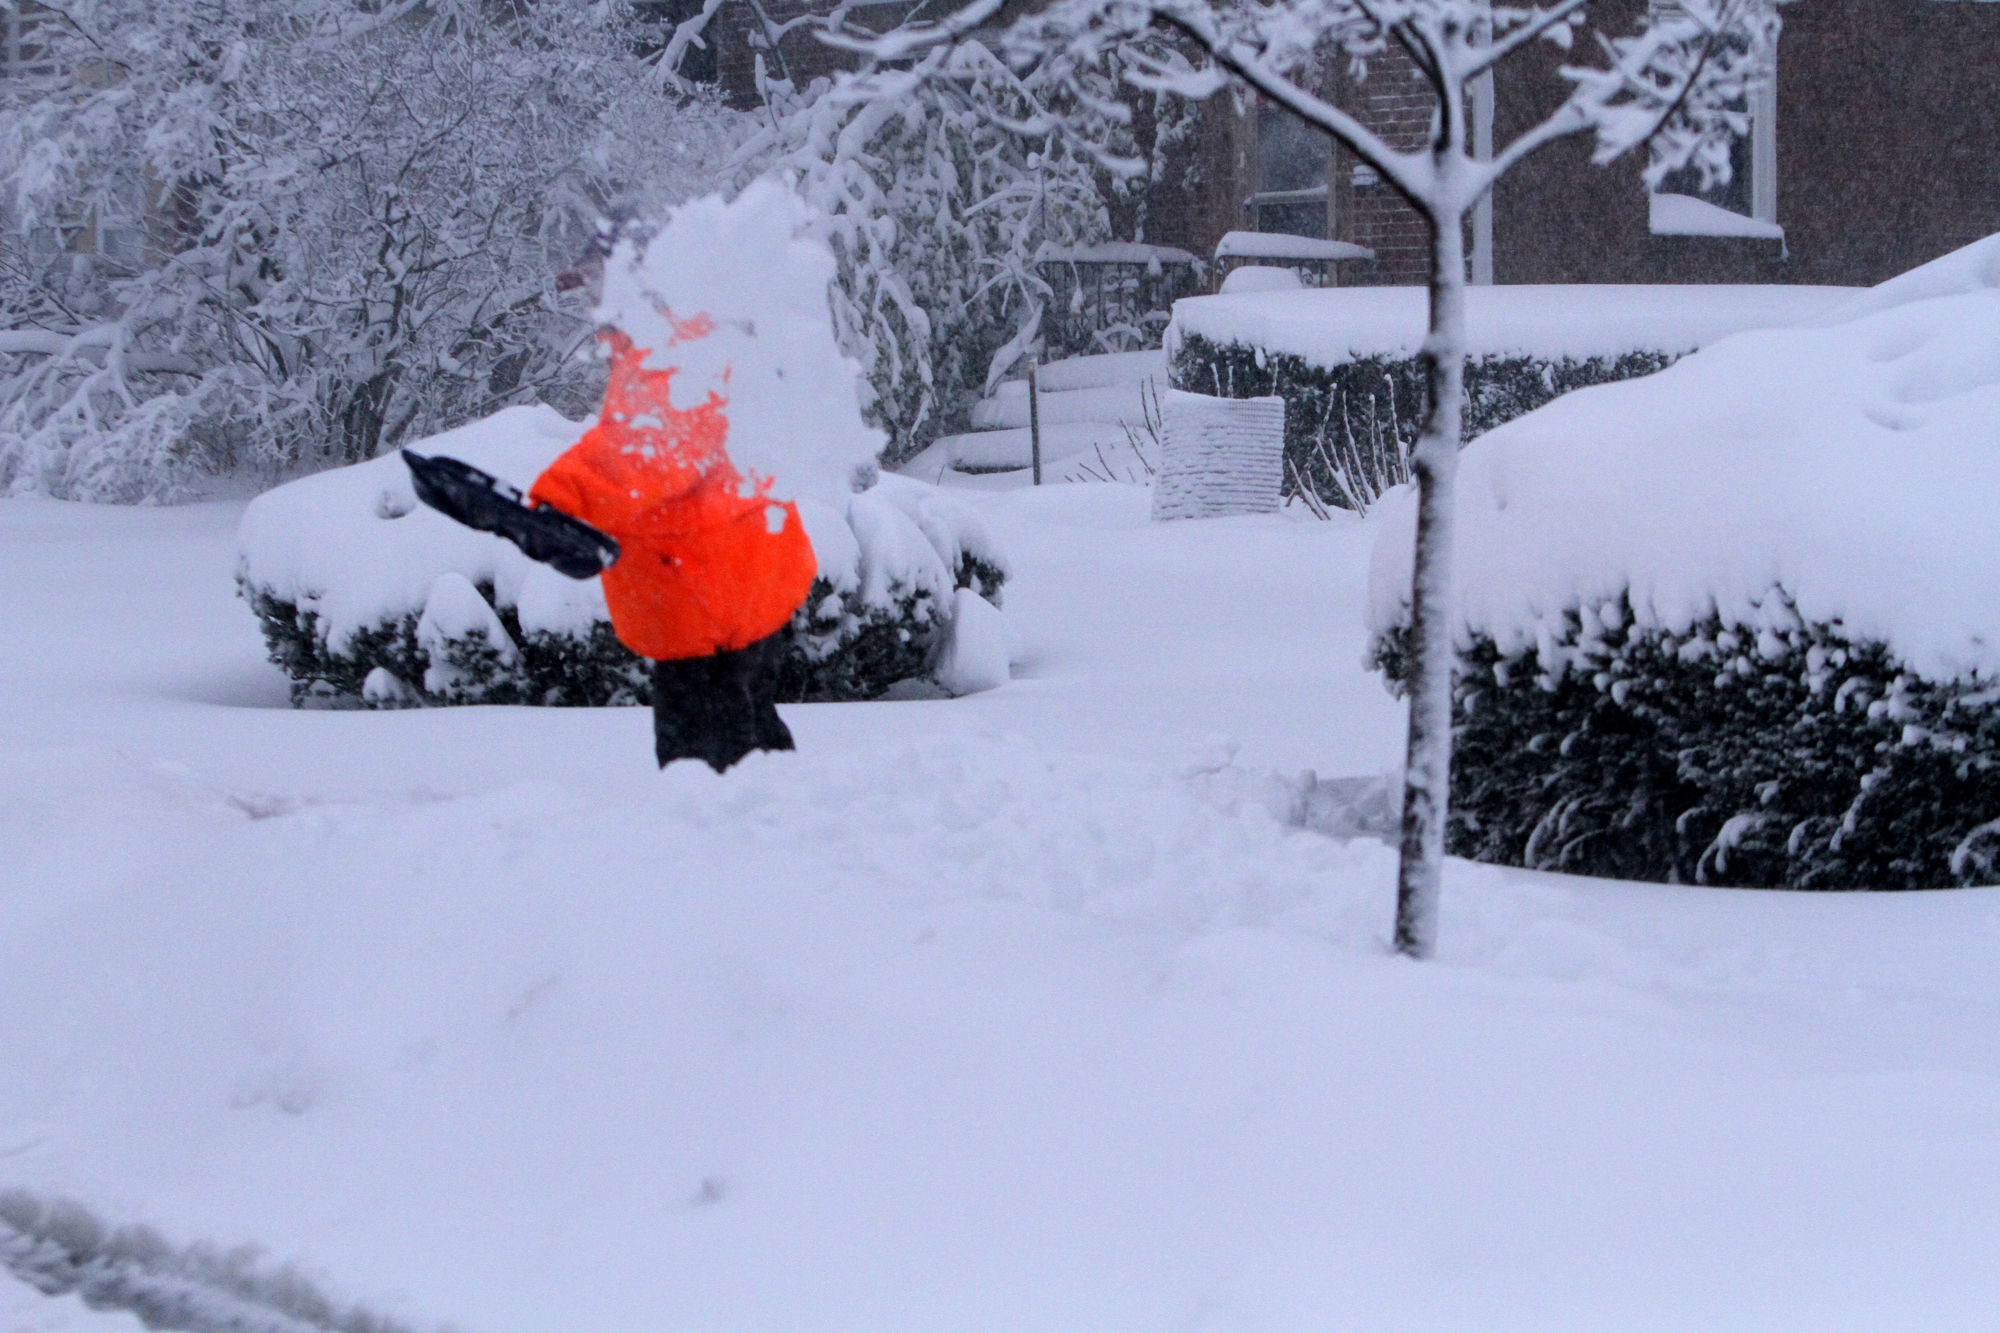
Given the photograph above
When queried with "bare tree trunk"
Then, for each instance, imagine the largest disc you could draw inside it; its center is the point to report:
(1427, 767)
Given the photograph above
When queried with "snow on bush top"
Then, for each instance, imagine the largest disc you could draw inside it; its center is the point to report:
(1330, 326)
(734, 295)
(355, 546)
(1849, 463)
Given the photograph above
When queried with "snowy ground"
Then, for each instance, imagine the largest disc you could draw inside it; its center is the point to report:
(971, 1015)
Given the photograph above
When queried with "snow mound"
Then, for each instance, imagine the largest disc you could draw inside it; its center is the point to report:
(975, 652)
(80, 820)
(1966, 271)
(348, 565)
(1848, 464)
(735, 296)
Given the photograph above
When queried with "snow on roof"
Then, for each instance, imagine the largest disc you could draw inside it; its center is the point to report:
(1685, 215)
(1276, 245)
(1120, 252)
(1329, 326)
(1850, 463)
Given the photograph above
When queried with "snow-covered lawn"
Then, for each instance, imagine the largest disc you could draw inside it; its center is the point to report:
(971, 1015)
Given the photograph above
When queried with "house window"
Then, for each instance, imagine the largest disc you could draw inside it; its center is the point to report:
(1292, 162)
(1680, 205)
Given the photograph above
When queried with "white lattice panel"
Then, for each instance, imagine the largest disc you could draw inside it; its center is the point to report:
(1220, 456)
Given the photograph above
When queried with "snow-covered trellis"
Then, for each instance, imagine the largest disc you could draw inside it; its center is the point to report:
(1681, 83)
(1219, 456)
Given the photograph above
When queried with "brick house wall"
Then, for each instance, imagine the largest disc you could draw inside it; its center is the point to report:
(1888, 155)
(1888, 134)
(1395, 102)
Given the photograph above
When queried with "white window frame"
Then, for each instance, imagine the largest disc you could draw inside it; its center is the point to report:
(1319, 194)
(1763, 138)
(1764, 151)
(1482, 212)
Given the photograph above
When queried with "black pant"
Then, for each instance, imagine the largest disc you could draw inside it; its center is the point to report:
(719, 708)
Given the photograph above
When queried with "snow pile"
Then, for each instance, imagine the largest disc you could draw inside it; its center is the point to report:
(1849, 464)
(353, 577)
(1330, 326)
(976, 652)
(734, 295)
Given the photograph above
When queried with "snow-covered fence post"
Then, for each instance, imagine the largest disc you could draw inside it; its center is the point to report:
(1035, 419)
(1680, 83)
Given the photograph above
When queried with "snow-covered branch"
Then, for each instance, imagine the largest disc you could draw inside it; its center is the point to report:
(944, 180)
(288, 233)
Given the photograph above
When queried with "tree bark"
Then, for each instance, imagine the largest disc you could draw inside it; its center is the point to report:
(1427, 766)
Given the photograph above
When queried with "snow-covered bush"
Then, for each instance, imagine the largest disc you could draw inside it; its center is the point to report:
(1737, 623)
(366, 598)
(1346, 360)
(271, 235)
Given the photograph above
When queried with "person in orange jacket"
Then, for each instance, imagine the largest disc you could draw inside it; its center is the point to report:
(705, 567)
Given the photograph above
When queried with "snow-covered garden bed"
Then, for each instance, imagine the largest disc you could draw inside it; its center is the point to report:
(1738, 622)
(368, 598)
(1345, 359)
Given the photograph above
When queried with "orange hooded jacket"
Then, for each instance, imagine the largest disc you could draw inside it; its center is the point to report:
(706, 563)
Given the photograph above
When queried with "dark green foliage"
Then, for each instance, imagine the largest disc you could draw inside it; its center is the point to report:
(1349, 428)
(1794, 758)
(838, 651)
(837, 648)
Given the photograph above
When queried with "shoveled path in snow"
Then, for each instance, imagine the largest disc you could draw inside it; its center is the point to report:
(974, 1015)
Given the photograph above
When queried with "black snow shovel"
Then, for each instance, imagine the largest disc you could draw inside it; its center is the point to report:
(483, 501)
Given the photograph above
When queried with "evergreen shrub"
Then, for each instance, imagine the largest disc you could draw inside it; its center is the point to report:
(839, 646)
(367, 598)
(1790, 755)
(1349, 428)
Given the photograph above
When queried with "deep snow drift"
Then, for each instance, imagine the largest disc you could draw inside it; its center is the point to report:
(1011, 1012)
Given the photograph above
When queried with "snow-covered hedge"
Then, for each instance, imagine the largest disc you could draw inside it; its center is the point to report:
(1737, 623)
(367, 598)
(1345, 359)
